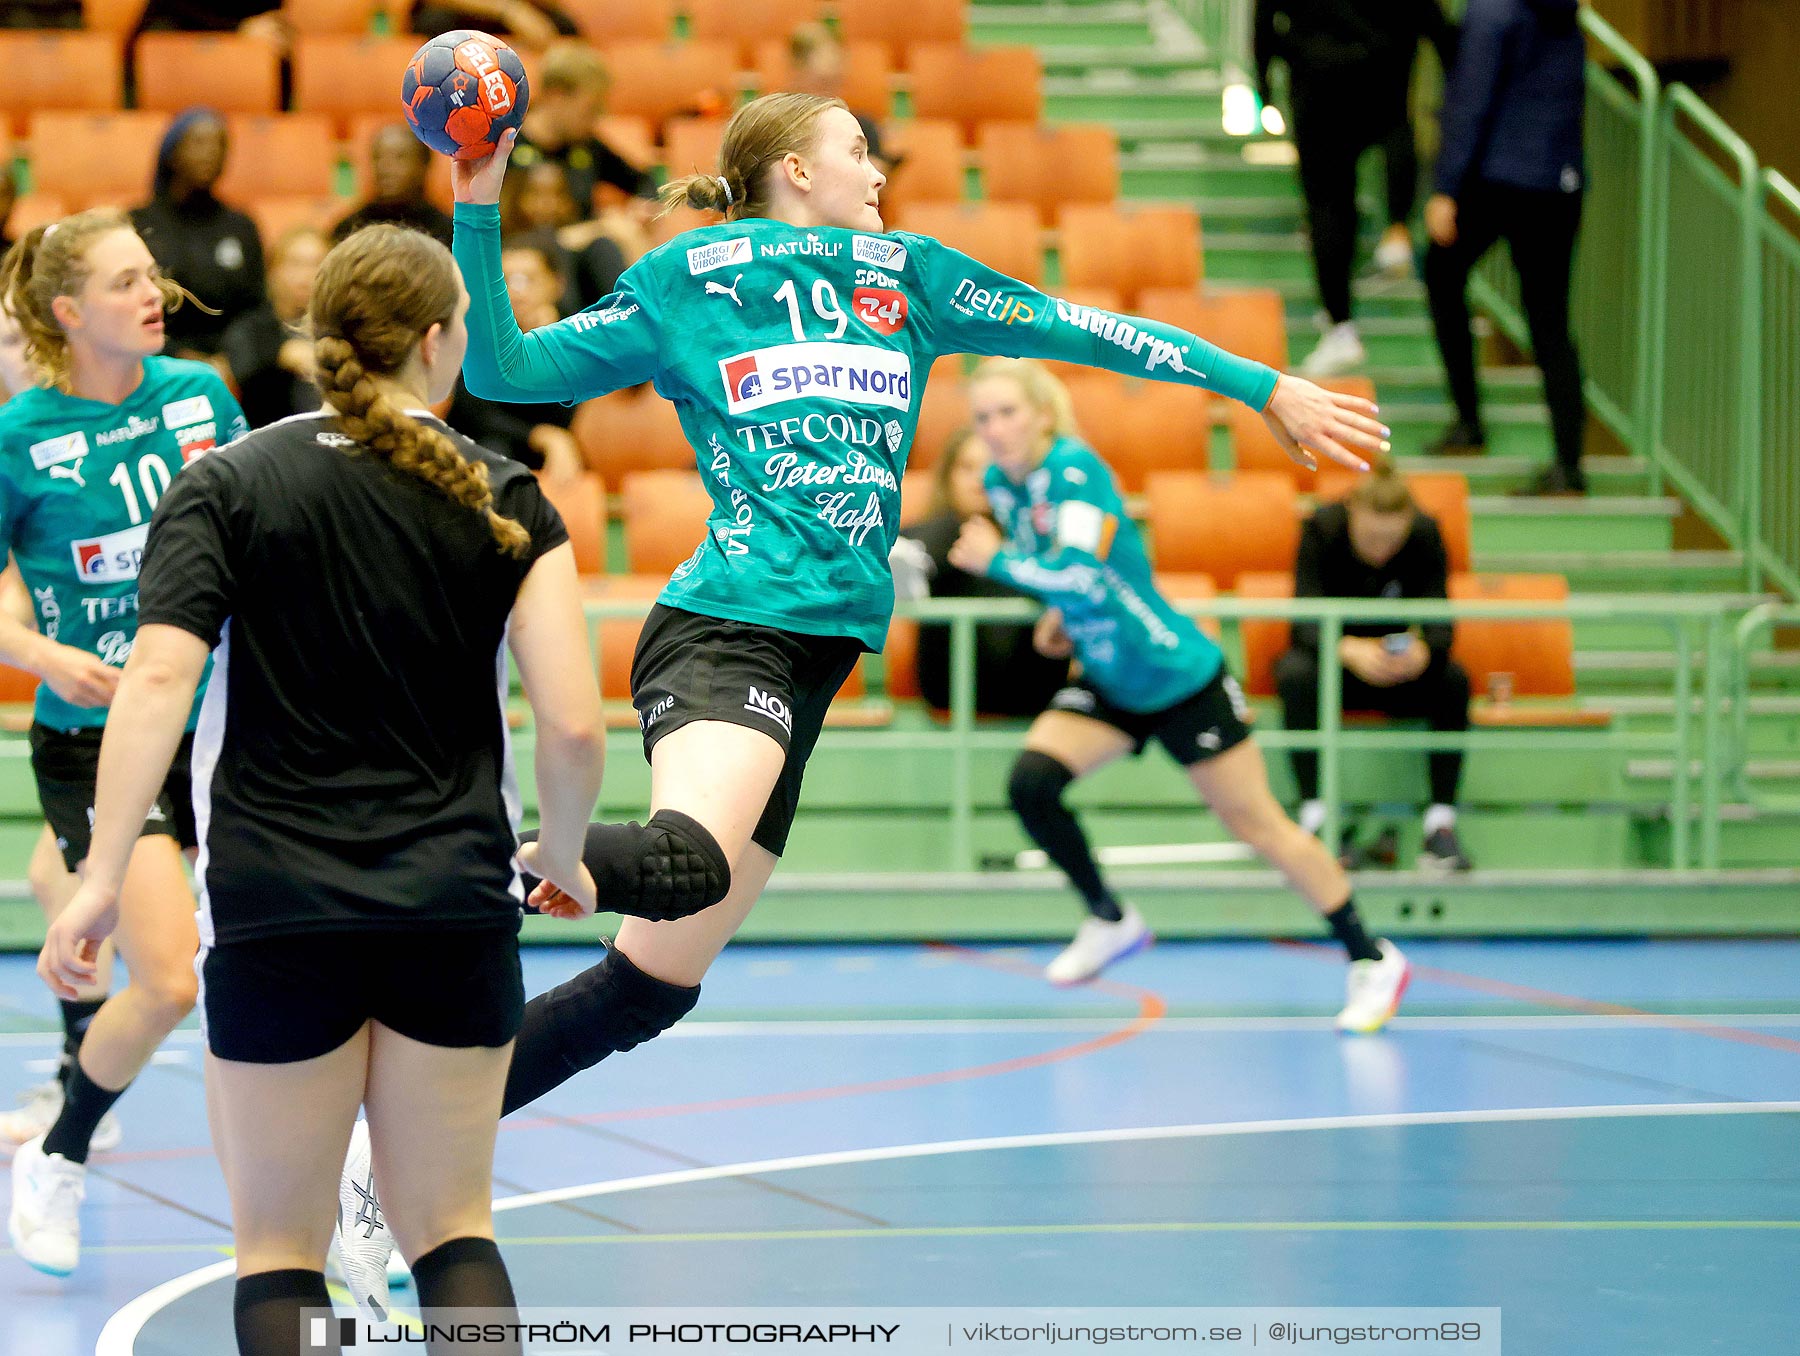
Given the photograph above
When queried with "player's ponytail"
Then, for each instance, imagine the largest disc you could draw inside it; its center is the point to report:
(757, 137)
(1042, 391)
(376, 295)
(50, 262)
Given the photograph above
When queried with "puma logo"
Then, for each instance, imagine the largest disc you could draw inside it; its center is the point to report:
(715, 289)
(69, 472)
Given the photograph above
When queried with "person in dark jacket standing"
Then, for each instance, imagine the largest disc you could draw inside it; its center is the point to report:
(1511, 169)
(210, 249)
(1349, 69)
(1378, 544)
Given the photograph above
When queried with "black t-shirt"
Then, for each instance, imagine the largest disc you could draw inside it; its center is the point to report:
(505, 426)
(351, 766)
(1011, 677)
(267, 390)
(418, 216)
(587, 163)
(212, 251)
(1328, 567)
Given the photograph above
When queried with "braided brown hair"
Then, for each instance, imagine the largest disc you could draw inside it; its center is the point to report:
(50, 262)
(377, 294)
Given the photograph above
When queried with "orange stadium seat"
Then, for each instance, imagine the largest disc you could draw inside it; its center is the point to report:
(1265, 639)
(659, 80)
(744, 26)
(691, 145)
(344, 76)
(59, 70)
(1442, 494)
(665, 516)
(232, 74)
(111, 16)
(1048, 166)
(900, 660)
(970, 87)
(604, 21)
(91, 158)
(617, 637)
(1253, 447)
(1222, 525)
(900, 25)
(868, 80)
(915, 497)
(280, 154)
(632, 137)
(277, 214)
(1003, 236)
(930, 169)
(581, 500)
(35, 209)
(1251, 323)
(631, 431)
(1139, 427)
(1130, 248)
(944, 410)
(357, 146)
(1191, 588)
(16, 685)
(345, 18)
(1540, 655)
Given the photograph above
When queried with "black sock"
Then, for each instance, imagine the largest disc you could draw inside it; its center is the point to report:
(1036, 790)
(465, 1273)
(1348, 929)
(76, 1016)
(267, 1310)
(84, 1103)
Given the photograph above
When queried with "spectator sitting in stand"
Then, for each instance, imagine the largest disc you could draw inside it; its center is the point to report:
(532, 24)
(537, 201)
(398, 165)
(207, 247)
(816, 66)
(1011, 677)
(271, 365)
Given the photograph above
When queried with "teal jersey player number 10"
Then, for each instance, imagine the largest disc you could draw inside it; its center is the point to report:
(796, 358)
(79, 480)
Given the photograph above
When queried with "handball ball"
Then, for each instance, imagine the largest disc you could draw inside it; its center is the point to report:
(461, 90)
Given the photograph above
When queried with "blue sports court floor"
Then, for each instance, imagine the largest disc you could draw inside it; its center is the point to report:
(1599, 1138)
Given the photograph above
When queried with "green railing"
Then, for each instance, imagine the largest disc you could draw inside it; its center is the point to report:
(1748, 639)
(1777, 544)
(1698, 628)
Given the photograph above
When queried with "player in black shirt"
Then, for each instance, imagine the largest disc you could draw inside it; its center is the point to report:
(354, 574)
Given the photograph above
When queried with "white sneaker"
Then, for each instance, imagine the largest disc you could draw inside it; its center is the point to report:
(363, 1241)
(399, 1274)
(1097, 945)
(1372, 992)
(1394, 256)
(45, 1221)
(1340, 351)
(40, 1106)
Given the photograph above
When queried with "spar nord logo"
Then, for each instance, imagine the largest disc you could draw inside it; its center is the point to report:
(117, 555)
(849, 373)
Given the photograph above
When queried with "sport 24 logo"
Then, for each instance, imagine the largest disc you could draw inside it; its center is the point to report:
(882, 310)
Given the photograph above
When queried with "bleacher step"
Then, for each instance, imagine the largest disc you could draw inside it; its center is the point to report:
(1624, 571)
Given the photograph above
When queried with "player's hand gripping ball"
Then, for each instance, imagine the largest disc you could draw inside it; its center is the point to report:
(461, 90)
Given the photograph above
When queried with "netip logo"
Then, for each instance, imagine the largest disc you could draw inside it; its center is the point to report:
(742, 380)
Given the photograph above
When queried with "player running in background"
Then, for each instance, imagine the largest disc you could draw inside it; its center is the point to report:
(1147, 672)
(84, 457)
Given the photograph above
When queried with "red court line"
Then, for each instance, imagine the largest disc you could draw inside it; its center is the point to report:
(1151, 1010)
(1525, 993)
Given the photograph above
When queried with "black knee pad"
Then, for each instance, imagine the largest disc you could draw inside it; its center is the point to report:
(666, 869)
(613, 1007)
(1037, 784)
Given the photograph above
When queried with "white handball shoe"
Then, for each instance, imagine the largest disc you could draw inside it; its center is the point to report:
(1373, 991)
(38, 1109)
(45, 1221)
(1097, 945)
(1340, 351)
(364, 1244)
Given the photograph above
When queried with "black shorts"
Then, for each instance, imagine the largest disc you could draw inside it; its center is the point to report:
(66, 763)
(690, 667)
(1194, 729)
(282, 999)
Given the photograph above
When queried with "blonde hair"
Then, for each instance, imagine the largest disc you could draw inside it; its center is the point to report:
(572, 67)
(758, 136)
(1381, 490)
(51, 262)
(808, 40)
(1043, 392)
(377, 294)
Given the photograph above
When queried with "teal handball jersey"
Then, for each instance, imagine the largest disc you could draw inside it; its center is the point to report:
(796, 359)
(1071, 544)
(78, 481)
